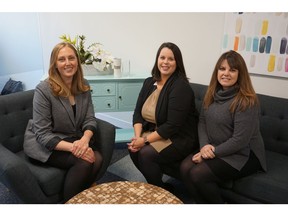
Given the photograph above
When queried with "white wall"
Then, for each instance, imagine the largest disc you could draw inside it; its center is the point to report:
(20, 49)
(130, 36)
(137, 36)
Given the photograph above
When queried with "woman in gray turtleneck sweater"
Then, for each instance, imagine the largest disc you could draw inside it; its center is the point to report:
(231, 145)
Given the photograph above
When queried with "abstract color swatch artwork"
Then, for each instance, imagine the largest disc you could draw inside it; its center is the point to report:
(261, 38)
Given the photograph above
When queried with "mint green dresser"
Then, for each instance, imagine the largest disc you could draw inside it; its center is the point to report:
(110, 94)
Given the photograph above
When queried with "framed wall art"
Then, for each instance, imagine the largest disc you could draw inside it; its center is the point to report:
(261, 38)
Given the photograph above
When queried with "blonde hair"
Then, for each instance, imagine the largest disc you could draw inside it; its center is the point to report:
(59, 88)
(246, 96)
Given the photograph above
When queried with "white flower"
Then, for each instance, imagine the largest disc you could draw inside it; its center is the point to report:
(102, 59)
(94, 54)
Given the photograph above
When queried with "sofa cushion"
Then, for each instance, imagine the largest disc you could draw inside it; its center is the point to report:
(199, 92)
(269, 187)
(274, 123)
(15, 111)
(50, 178)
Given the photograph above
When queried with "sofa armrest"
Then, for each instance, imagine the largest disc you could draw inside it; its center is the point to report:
(105, 140)
(17, 177)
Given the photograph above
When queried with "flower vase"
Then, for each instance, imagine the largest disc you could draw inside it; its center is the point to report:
(117, 67)
(90, 70)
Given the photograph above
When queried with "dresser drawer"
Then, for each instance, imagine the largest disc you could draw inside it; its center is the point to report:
(104, 103)
(110, 94)
(103, 89)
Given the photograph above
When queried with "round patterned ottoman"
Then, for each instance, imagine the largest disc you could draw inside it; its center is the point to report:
(125, 192)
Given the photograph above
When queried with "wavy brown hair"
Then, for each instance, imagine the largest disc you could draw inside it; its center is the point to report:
(57, 85)
(246, 96)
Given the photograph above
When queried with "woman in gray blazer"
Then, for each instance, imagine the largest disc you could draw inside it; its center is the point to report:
(61, 131)
(231, 145)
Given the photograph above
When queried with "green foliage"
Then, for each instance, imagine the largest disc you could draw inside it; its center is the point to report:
(93, 54)
(85, 55)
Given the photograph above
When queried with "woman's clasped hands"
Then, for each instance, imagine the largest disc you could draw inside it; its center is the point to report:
(136, 144)
(206, 152)
(81, 149)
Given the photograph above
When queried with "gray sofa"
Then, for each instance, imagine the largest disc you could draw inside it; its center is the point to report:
(30, 181)
(272, 186)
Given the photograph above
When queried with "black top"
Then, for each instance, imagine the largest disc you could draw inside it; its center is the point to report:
(74, 109)
(176, 114)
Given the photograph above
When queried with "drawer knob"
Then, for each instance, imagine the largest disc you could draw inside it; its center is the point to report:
(120, 97)
(108, 90)
(109, 105)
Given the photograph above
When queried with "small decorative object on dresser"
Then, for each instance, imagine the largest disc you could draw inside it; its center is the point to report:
(90, 70)
(117, 67)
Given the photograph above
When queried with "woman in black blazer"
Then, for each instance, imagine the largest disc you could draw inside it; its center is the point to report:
(165, 118)
(62, 130)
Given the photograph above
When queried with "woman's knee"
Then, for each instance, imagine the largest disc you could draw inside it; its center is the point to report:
(201, 173)
(83, 165)
(98, 156)
(147, 154)
(186, 165)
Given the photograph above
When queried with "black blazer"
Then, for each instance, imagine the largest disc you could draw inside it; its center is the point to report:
(176, 114)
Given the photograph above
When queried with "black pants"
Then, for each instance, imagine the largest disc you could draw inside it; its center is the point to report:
(80, 173)
(147, 162)
(203, 179)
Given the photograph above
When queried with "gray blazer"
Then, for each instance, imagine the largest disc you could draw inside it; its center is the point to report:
(54, 120)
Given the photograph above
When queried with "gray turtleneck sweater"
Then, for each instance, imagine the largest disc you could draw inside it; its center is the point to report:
(232, 134)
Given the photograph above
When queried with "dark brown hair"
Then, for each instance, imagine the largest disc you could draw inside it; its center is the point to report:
(180, 69)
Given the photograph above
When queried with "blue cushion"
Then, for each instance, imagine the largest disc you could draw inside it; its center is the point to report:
(274, 123)
(49, 178)
(272, 186)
